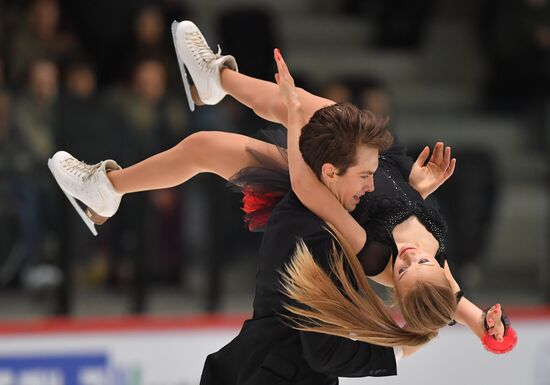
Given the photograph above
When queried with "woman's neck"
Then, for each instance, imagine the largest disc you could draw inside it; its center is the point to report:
(413, 232)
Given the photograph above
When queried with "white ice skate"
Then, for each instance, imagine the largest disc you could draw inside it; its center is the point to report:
(89, 184)
(196, 58)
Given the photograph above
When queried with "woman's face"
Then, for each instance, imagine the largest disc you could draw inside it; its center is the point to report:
(413, 264)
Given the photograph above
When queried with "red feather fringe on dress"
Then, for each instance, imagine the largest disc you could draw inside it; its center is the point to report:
(258, 206)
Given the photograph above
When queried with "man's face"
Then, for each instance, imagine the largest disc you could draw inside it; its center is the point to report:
(356, 181)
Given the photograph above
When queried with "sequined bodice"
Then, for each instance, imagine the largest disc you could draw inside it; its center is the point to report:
(392, 202)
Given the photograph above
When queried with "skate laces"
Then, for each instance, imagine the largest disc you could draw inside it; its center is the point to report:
(81, 169)
(201, 51)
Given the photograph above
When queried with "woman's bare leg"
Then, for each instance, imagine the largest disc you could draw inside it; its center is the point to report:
(263, 97)
(220, 153)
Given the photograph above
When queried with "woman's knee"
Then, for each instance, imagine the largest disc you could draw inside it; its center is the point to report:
(199, 141)
(202, 147)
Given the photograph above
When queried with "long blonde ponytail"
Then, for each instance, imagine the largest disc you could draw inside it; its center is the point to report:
(352, 310)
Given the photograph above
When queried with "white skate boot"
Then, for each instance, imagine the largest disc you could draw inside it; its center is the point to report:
(195, 57)
(89, 184)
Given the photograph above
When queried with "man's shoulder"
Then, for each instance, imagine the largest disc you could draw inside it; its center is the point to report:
(290, 230)
(295, 217)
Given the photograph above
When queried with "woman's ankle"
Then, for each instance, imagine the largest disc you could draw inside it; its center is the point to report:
(112, 176)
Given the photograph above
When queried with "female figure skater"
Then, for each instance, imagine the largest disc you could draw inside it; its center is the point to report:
(404, 230)
(406, 245)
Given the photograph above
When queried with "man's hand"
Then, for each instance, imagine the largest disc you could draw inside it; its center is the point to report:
(427, 177)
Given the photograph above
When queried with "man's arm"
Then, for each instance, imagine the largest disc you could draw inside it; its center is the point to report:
(344, 357)
(309, 189)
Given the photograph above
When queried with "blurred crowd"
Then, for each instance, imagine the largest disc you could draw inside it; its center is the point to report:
(100, 79)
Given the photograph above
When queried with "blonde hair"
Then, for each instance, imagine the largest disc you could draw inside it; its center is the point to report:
(429, 305)
(350, 308)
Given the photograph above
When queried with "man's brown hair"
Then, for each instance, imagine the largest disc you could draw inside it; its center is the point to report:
(334, 132)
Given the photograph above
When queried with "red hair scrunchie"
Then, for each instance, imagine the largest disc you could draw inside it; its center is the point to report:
(507, 344)
(509, 340)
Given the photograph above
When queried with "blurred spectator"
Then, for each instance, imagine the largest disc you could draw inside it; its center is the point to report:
(104, 29)
(5, 122)
(107, 30)
(30, 188)
(154, 118)
(375, 97)
(85, 125)
(89, 131)
(149, 27)
(402, 23)
(517, 41)
(2, 76)
(10, 260)
(39, 36)
(11, 14)
(213, 211)
(152, 121)
(174, 10)
(2, 30)
(337, 91)
(470, 212)
(253, 50)
(365, 92)
(5, 113)
(152, 37)
(399, 23)
(34, 115)
(5, 125)
(7, 215)
(81, 80)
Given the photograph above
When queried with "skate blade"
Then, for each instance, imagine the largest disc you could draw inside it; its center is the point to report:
(75, 204)
(183, 72)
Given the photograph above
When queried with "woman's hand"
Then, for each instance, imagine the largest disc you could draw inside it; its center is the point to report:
(296, 117)
(426, 178)
(285, 81)
(494, 321)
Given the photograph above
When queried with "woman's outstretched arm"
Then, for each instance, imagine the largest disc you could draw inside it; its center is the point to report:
(221, 153)
(470, 315)
(311, 191)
